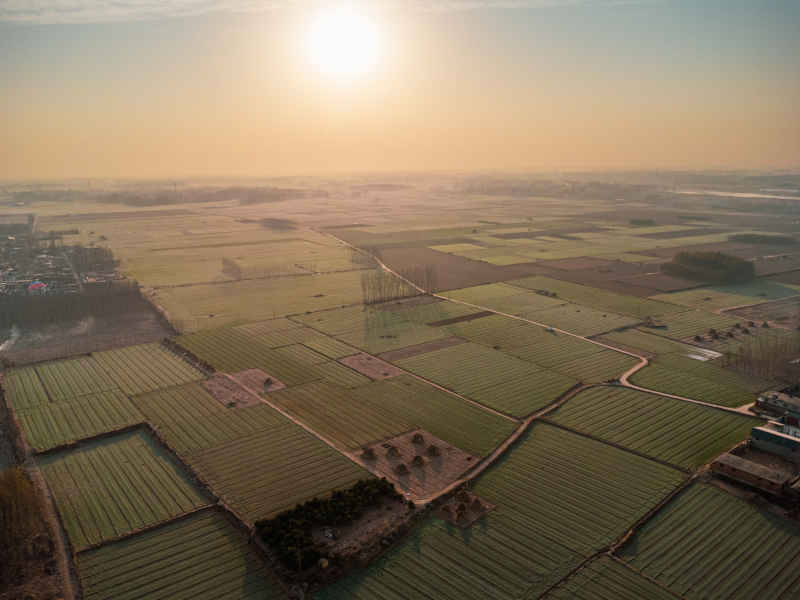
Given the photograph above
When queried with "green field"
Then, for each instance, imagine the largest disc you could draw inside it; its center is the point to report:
(684, 434)
(23, 388)
(605, 578)
(490, 377)
(265, 473)
(68, 379)
(581, 320)
(727, 296)
(202, 557)
(353, 418)
(504, 298)
(53, 424)
(548, 490)
(190, 419)
(599, 366)
(645, 343)
(214, 305)
(685, 325)
(115, 486)
(140, 369)
(597, 298)
(710, 544)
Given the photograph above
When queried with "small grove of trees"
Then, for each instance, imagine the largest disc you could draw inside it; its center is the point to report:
(290, 533)
(710, 267)
(20, 518)
(767, 356)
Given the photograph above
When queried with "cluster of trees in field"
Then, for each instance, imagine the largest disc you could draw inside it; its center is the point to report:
(761, 238)
(768, 356)
(33, 311)
(94, 258)
(379, 286)
(710, 267)
(20, 520)
(290, 533)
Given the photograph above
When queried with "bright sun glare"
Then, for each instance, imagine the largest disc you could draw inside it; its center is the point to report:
(343, 43)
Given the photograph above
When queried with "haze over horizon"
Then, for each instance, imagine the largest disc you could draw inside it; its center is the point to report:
(146, 89)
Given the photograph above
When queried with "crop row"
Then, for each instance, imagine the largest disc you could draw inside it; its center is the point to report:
(265, 473)
(116, 485)
(53, 424)
(190, 419)
(201, 557)
(67, 379)
(604, 577)
(684, 434)
(352, 418)
(708, 543)
(547, 491)
(490, 377)
(674, 381)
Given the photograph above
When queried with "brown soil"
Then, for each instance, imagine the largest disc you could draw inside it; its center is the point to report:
(572, 264)
(229, 393)
(475, 508)
(372, 367)
(792, 277)
(423, 348)
(453, 271)
(36, 578)
(408, 303)
(418, 482)
(256, 379)
(376, 523)
(461, 319)
(781, 313)
(772, 461)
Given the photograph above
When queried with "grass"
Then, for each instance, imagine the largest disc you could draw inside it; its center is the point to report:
(490, 377)
(708, 543)
(670, 380)
(265, 473)
(684, 434)
(115, 486)
(53, 424)
(383, 409)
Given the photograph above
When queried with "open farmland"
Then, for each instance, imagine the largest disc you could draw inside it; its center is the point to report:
(190, 419)
(547, 490)
(54, 424)
(383, 409)
(728, 296)
(708, 543)
(685, 325)
(139, 369)
(201, 557)
(300, 468)
(67, 379)
(605, 577)
(213, 305)
(115, 486)
(23, 388)
(490, 377)
(686, 435)
(596, 298)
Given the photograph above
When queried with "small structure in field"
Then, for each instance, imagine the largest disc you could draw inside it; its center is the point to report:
(464, 508)
(418, 462)
(758, 476)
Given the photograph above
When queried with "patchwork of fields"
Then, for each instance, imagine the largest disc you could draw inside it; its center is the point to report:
(137, 446)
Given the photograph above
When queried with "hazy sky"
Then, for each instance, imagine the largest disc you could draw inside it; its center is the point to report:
(150, 88)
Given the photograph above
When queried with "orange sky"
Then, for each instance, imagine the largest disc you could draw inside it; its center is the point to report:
(591, 86)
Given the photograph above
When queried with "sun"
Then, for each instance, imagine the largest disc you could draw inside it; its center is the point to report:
(343, 43)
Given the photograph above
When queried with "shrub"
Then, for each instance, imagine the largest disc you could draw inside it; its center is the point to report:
(711, 267)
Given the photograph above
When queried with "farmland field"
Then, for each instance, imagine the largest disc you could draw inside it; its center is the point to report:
(727, 296)
(114, 486)
(67, 379)
(190, 419)
(680, 326)
(257, 488)
(201, 557)
(490, 377)
(604, 577)
(53, 424)
(23, 388)
(383, 409)
(596, 298)
(547, 490)
(709, 543)
(581, 320)
(139, 369)
(684, 434)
